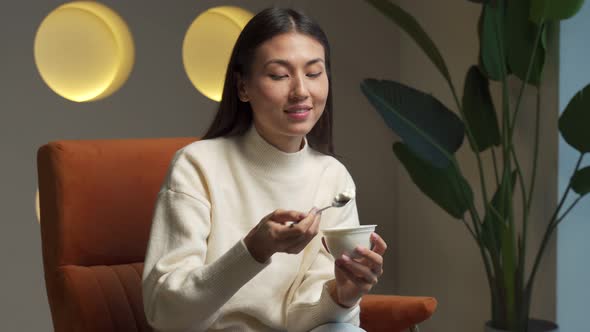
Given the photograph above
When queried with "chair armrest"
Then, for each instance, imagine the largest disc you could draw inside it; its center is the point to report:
(394, 313)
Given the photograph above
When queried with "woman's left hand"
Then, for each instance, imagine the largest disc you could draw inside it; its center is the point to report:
(356, 277)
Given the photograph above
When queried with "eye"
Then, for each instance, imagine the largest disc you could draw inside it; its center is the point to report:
(276, 77)
(312, 75)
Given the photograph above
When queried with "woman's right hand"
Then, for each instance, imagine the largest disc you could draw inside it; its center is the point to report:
(273, 234)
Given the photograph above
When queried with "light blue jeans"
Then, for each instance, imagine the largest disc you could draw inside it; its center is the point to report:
(337, 327)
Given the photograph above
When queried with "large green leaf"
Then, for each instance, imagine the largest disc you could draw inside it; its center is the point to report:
(492, 44)
(581, 181)
(411, 26)
(480, 114)
(548, 10)
(446, 187)
(574, 121)
(429, 129)
(520, 34)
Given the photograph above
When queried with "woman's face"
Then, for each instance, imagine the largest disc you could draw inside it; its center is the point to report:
(287, 88)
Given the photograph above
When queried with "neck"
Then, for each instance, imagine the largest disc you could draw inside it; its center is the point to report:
(272, 161)
(287, 144)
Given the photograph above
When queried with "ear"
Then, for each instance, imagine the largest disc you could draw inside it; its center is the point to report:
(241, 86)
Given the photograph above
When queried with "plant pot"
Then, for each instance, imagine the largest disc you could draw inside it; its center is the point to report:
(535, 325)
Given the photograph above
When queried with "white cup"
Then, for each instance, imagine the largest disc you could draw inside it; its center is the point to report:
(344, 240)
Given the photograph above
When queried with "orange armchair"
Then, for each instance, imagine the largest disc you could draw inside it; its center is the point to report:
(96, 200)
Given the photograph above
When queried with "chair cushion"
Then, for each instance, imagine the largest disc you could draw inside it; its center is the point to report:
(391, 313)
(103, 298)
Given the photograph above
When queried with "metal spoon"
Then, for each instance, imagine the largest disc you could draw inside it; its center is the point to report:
(339, 201)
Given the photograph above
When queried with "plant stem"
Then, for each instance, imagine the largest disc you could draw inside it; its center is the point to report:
(527, 209)
(509, 305)
(469, 229)
(520, 178)
(528, 73)
(511, 302)
(476, 233)
(550, 227)
(524, 305)
(473, 142)
(535, 155)
(495, 166)
(520, 251)
(568, 210)
(493, 259)
(491, 277)
(564, 196)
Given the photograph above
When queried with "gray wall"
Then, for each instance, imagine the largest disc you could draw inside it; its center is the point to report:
(573, 271)
(159, 101)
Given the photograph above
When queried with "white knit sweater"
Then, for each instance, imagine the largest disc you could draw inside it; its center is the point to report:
(199, 275)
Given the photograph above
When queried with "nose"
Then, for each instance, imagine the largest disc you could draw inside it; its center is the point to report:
(299, 90)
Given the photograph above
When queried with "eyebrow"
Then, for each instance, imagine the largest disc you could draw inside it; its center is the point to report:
(288, 64)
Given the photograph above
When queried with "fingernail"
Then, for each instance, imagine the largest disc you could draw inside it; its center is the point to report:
(345, 258)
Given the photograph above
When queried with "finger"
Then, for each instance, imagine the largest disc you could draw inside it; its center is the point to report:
(360, 282)
(315, 226)
(379, 245)
(292, 234)
(282, 216)
(370, 259)
(304, 229)
(295, 233)
(358, 269)
(268, 216)
(306, 222)
(306, 236)
(296, 247)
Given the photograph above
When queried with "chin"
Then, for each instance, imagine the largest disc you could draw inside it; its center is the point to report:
(300, 129)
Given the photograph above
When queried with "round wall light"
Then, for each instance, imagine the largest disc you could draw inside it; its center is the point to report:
(84, 51)
(207, 47)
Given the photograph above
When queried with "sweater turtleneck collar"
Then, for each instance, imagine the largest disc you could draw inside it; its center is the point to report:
(273, 162)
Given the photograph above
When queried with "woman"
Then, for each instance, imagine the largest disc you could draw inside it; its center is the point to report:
(223, 253)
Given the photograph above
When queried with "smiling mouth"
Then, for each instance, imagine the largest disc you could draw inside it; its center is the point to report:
(299, 111)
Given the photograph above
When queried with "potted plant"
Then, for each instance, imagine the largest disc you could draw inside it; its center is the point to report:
(512, 42)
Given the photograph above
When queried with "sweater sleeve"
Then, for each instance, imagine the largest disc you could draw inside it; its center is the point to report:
(179, 290)
(308, 310)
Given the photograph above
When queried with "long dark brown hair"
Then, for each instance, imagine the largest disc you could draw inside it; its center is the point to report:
(234, 117)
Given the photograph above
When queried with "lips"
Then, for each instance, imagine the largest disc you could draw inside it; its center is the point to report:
(298, 109)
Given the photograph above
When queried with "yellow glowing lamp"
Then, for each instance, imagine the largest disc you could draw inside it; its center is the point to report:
(208, 44)
(84, 51)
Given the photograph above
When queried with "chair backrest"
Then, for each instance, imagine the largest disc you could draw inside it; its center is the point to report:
(96, 200)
